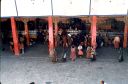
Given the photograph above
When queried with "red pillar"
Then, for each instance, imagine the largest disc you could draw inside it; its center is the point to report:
(125, 36)
(15, 36)
(27, 34)
(51, 38)
(93, 31)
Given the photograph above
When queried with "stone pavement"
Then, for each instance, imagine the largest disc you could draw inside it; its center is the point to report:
(35, 66)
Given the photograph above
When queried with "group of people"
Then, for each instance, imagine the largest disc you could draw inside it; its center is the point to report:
(83, 49)
(79, 46)
(41, 37)
(105, 40)
(79, 51)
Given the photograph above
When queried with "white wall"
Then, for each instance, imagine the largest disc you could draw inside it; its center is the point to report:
(71, 7)
(34, 7)
(8, 8)
(109, 7)
(63, 7)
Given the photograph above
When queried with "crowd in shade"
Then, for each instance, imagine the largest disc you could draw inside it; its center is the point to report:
(78, 44)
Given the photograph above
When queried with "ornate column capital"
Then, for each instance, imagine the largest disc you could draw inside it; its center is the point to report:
(25, 20)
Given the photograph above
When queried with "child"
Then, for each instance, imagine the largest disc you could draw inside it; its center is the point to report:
(73, 53)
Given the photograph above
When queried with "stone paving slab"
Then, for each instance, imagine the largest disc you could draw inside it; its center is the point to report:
(35, 66)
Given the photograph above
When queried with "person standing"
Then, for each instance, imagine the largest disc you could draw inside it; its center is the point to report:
(88, 52)
(65, 47)
(21, 40)
(116, 42)
(121, 58)
(40, 36)
(11, 45)
(99, 41)
(64, 59)
(106, 40)
(80, 50)
(53, 55)
(73, 53)
(93, 54)
(1, 47)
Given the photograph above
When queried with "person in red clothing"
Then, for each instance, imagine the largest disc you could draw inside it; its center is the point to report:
(80, 50)
(116, 42)
(73, 53)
